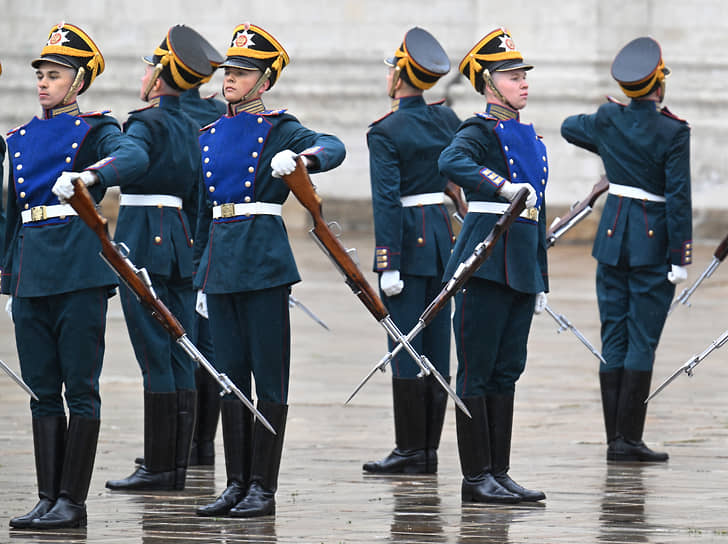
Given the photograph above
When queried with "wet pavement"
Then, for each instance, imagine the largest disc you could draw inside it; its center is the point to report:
(558, 442)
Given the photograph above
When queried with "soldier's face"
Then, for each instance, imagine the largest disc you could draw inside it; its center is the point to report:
(53, 82)
(513, 86)
(238, 82)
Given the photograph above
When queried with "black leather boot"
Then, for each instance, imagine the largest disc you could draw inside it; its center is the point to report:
(49, 442)
(208, 414)
(158, 472)
(500, 425)
(266, 461)
(69, 511)
(610, 384)
(410, 426)
(628, 446)
(186, 410)
(237, 436)
(478, 485)
(436, 405)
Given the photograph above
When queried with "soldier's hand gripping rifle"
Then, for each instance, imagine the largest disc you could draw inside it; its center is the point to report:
(578, 211)
(138, 281)
(718, 256)
(462, 274)
(300, 185)
(689, 366)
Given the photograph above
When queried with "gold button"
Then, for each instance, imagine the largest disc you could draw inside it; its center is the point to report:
(212, 189)
(157, 239)
(19, 167)
(260, 139)
(68, 159)
(26, 206)
(214, 202)
(208, 174)
(22, 194)
(207, 159)
(191, 241)
(251, 169)
(260, 120)
(544, 169)
(21, 180)
(255, 154)
(544, 158)
(22, 132)
(212, 131)
(510, 161)
(688, 245)
(74, 145)
(543, 182)
(78, 122)
(62, 217)
(160, 206)
(206, 148)
(505, 148)
(248, 184)
(17, 154)
(514, 175)
(650, 233)
(247, 199)
(453, 238)
(420, 240)
(609, 232)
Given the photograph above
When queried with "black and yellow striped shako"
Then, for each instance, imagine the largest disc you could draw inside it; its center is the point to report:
(639, 68)
(252, 48)
(183, 58)
(420, 58)
(70, 46)
(495, 52)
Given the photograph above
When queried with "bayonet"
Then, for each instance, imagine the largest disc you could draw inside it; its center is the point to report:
(565, 324)
(17, 379)
(293, 302)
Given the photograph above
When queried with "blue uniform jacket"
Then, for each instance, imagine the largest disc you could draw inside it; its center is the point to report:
(251, 253)
(477, 161)
(60, 255)
(403, 150)
(645, 147)
(161, 239)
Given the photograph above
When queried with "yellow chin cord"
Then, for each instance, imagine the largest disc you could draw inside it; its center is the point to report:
(73, 89)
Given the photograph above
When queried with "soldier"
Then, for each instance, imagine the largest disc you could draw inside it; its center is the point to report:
(2, 177)
(156, 220)
(643, 243)
(52, 269)
(413, 242)
(246, 264)
(492, 156)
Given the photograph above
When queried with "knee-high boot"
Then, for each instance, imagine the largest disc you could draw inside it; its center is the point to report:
(436, 405)
(49, 442)
(500, 425)
(265, 464)
(628, 446)
(610, 384)
(208, 414)
(478, 485)
(78, 464)
(186, 409)
(160, 439)
(237, 435)
(410, 424)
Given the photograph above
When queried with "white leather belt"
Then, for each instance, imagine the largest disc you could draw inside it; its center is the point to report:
(168, 201)
(500, 208)
(423, 199)
(634, 192)
(248, 208)
(40, 213)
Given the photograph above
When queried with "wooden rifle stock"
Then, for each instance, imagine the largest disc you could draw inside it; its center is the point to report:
(454, 193)
(577, 212)
(302, 188)
(722, 250)
(480, 254)
(83, 203)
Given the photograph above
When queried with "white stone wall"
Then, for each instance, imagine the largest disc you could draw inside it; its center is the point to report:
(335, 81)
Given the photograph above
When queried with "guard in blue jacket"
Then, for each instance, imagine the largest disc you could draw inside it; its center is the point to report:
(413, 241)
(157, 218)
(492, 156)
(644, 240)
(246, 263)
(52, 269)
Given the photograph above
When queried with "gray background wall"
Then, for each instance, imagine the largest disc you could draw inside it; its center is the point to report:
(335, 81)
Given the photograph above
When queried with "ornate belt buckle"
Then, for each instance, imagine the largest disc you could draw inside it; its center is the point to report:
(227, 210)
(38, 213)
(532, 214)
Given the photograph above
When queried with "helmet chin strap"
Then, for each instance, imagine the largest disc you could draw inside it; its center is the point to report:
(258, 84)
(491, 84)
(73, 89)
(395, 78)
(152, 80)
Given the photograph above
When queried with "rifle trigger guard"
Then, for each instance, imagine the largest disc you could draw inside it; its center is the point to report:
(123, 249)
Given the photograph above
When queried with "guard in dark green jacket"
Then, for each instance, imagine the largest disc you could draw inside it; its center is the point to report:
(492, 156)
(246, 263)
(644, 240)
(157, 218)
(52, 269)
(413, 241)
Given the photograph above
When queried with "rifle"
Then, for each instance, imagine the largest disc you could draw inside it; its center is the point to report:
(455, 193)
(578, 211)
(689, 365)
(17, 379)
(718, 256)
(462, 274)
(565, 324)
(137, 280)
(300, 185)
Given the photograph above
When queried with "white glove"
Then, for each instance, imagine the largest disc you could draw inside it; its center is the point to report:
(677, 274)
(9, 307)
(283, 163)
(541, 302)
(63, 187)
(509, 190)
(390, 283)
(201, 304)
